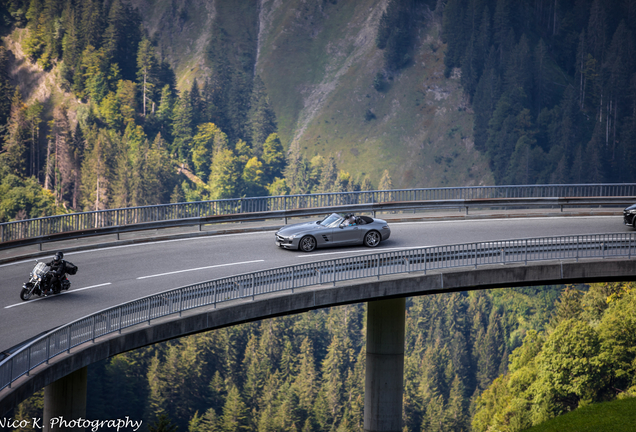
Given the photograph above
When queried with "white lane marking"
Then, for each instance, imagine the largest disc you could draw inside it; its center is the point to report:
(199, 268)
(64, 292)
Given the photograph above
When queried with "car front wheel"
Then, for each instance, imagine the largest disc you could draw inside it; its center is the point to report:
(307, 244)
(372, 239)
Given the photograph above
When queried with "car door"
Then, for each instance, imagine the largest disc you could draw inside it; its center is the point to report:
(347, 235)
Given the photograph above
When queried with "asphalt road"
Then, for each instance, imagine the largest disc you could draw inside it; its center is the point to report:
(115, 275)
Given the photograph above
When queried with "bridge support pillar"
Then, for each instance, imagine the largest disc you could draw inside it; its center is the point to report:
(65, 398)
(385, 366)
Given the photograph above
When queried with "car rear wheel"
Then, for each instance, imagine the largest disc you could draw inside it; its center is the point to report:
(307, 244)
(372, 239)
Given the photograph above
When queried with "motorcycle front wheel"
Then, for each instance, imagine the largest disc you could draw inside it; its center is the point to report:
(25, 294)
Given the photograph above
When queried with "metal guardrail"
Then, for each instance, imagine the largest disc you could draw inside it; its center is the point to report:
(176, 301)
(149, 215)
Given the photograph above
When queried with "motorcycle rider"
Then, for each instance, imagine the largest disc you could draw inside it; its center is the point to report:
(56, 270)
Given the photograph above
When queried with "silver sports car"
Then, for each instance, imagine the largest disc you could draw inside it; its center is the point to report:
(334, 230)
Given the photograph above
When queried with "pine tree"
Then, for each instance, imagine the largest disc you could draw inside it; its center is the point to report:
(385, 181)
(208, 141)
(298, 171)
(273, 157)
(63, 163)
(261, 117)
(77, 147)
(146, 65)
(70, 44)
(6, 93)
(254, 178)
(196, 102)
(126, 96)
(234, 416)
(329, 176)
(225, 176)
(97, 171)
(17, 136)
(182, 127)
(165, 112)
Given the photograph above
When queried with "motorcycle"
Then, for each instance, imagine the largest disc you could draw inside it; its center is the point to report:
(41, 281)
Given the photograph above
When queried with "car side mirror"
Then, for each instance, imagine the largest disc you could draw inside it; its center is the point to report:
(341, 226)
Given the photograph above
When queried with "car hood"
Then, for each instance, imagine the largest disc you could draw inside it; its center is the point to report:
(288, 230)
(631, 207)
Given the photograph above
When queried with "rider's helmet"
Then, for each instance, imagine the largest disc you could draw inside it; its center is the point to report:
(58, 256)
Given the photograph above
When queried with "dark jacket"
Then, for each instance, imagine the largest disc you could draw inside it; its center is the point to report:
(57, 267)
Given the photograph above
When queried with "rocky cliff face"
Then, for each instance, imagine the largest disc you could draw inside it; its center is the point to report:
(319, 61)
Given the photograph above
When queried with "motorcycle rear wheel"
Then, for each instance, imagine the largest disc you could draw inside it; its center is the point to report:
(25, 294)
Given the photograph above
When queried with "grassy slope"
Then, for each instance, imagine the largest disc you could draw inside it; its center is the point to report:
(319, 64)
(318, 60)
(38, 85)
(614, 416)
(180, 31)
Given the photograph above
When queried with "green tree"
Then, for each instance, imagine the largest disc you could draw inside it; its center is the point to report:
(182, 127)
(208, 140)
(98, 170)
(273, 157)
(234, 416)
(261, 117)
(329, 176)
(23, 198)
(17, 137)
(146, 64)
(254, 178)
(570, 368)
(225, 176)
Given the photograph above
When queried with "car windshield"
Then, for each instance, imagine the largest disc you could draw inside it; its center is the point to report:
(333, 220)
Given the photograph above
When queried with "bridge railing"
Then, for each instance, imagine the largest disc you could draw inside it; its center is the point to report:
(176, 301)
(103, 219)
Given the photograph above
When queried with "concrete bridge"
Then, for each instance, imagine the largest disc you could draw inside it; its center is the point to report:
(64, 376)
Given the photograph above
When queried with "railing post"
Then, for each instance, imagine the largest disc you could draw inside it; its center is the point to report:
(94, 325)
(180, 302)
(293, 282)
(425, 260)
(28, 361)
(149, 304)
(334, 272)
(69, 340)
(526, 253)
